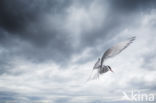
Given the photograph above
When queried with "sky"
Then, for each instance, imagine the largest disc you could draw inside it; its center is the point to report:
(49, 47)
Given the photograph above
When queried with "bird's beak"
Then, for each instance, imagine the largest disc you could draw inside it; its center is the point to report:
(111, 70)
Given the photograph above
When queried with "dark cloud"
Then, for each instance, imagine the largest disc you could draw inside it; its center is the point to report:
(15, 15)
(27, 32)
(35, 30)
(6, 97)
(23, 21)
(129, 6)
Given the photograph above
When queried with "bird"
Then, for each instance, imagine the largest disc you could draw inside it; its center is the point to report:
(109, 53)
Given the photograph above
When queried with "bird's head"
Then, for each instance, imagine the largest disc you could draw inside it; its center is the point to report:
(110, 69)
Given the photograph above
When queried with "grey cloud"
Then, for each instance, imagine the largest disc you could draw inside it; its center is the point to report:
(148, 59)
(119, 16)
(9, 96)
(6, 97)
(24, 27)
(25, 21)
(141, 84)
(130, 6)
(15, 15)
(24, 18)
(35, 30)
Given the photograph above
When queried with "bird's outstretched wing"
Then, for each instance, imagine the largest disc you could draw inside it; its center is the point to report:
(97, 64)
(116, 49)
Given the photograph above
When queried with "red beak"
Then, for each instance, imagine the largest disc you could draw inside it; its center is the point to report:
(111, 70)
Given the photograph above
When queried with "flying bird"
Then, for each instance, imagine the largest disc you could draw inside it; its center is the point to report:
(109, 53)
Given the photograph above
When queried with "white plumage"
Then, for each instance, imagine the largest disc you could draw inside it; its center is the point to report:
(111, 52)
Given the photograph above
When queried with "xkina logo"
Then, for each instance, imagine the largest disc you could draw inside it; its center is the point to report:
(138, 96)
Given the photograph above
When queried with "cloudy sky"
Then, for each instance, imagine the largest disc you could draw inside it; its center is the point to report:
(48, 49)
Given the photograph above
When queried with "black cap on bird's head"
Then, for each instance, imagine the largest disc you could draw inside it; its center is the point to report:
(110, 69)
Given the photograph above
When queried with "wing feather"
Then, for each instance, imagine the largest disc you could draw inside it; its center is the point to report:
(97, 64)
(116, 49)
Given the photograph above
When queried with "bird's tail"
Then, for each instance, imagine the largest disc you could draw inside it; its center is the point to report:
(91, 77)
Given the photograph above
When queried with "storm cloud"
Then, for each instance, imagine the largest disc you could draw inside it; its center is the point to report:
(56, 42)
(56, 30)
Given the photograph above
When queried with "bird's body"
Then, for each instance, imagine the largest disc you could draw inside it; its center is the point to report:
(103, 69)
(111, 52)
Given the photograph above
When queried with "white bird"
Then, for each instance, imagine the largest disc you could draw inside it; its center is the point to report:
(111, 52)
